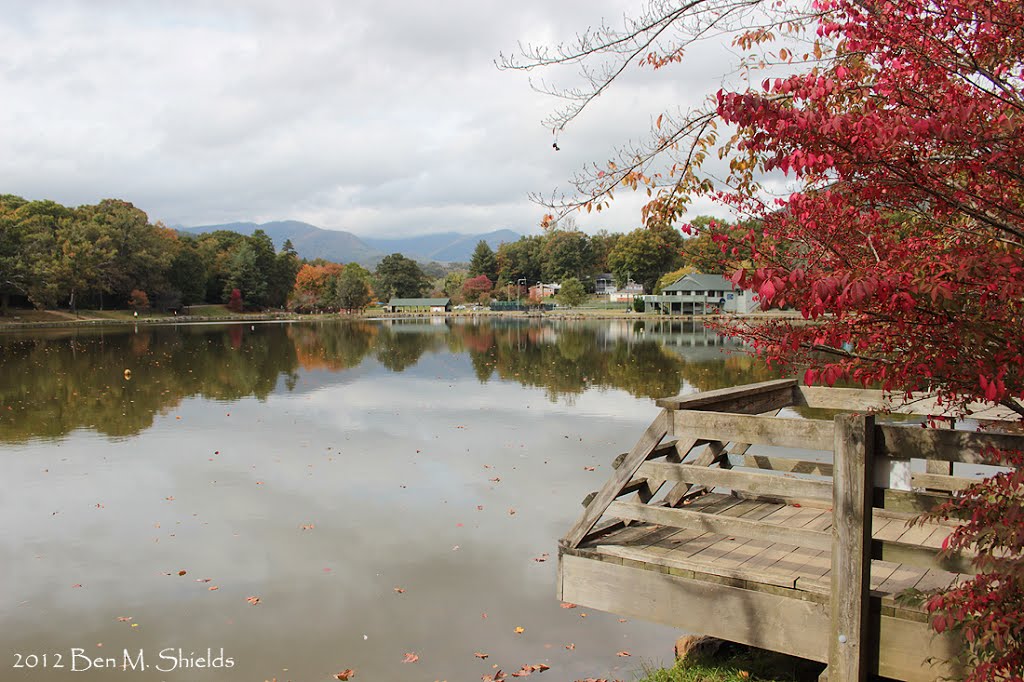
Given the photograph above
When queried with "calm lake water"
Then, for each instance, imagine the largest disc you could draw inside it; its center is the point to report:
(321, 468)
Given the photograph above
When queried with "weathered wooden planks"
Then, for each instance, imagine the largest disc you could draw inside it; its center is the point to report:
(719, 397)
(658, 429)
(849, 648)
(971, 447)
(810, 434)
(684, 518)
(762, 484)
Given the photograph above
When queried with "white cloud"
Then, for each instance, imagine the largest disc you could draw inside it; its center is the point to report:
(380, 117)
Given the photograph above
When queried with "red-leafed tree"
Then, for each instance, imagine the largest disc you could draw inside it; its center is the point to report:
(897, 134)
(235, 301)
(476, 288)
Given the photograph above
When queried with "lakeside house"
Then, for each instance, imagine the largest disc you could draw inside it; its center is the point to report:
(541, 290)
(418, 305)
(604, 285)
(701, 294)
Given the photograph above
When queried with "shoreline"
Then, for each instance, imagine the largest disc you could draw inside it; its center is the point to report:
(578, 314)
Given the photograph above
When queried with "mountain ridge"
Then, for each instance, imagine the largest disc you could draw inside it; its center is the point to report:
(342, 246)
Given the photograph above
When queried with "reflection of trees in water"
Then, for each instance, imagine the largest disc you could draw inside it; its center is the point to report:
(568, 358)
(55, 383)
(332, 346)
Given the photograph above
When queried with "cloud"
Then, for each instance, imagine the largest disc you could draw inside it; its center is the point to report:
(380, 117)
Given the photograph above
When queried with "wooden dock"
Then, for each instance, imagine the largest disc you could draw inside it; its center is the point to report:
(803, 555)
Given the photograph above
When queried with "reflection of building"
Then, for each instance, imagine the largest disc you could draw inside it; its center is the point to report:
(700, 294)
(418, 305)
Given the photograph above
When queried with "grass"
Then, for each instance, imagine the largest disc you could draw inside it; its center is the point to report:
(739, 665)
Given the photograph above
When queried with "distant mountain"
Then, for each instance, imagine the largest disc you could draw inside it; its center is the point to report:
(312, 242)
(309, 241)
(444, 247)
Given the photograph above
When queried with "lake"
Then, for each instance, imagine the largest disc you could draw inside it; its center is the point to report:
(305, 498)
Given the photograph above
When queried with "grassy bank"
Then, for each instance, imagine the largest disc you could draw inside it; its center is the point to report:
(741, 665)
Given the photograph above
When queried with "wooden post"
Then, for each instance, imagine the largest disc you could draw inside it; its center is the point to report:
(852, 490)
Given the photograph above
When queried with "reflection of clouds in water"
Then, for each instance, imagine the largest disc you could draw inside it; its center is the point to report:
(354, 405)
(371, 533)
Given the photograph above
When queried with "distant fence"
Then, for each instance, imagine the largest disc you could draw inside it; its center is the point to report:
(510, 306)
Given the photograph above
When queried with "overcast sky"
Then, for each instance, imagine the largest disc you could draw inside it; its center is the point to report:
(381, 117)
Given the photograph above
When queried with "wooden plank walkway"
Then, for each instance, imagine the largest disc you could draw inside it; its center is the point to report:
(772, 564)
(779, 551)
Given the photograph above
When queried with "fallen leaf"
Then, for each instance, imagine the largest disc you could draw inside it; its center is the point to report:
(498, 676)
(307, 526)
(527, 670)
(543, 557)
(480, 655)
(496, 479)
(410, 658)
(520, 631)
(203, 580)
(623, 653)
(567, 605)
(124, 619)
(622, 620)
(347, 674)
(511, 511)
(182, 572)
(253, 600)
(588, 468)
(399, 590)
(211, 588)
(571, 646)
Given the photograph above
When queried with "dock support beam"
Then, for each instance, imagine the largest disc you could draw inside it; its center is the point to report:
(853, 484)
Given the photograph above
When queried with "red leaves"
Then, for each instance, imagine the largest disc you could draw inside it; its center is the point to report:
(410, 658)
(344, 675)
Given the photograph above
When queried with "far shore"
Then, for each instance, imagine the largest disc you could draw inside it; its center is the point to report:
(16, 320)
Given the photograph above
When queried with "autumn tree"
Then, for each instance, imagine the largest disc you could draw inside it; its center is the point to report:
(476, 288)
(901, 232)
(315, 287)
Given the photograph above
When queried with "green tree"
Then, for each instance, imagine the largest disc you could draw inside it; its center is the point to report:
(484, 262)
(645, 254)
(282, 275)
(353, 288)
(398, 276)
(520, 259)
(566, 254)
(187, 273)
(572, 292)
(244, 274)
(602, 244)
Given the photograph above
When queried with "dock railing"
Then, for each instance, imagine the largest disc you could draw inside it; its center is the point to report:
(700, 442)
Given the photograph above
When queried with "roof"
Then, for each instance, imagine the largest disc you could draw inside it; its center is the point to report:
(701, 282)
(419, 301)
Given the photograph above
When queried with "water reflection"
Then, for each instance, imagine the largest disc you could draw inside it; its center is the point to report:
(56, 382)
(318, 467)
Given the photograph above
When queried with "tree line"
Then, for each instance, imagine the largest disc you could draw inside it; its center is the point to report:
(109, 255)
